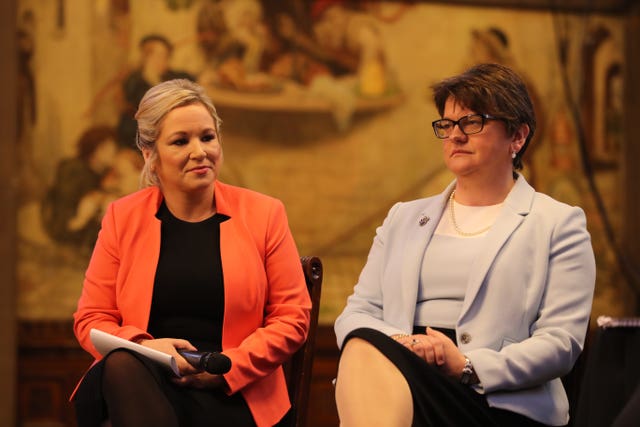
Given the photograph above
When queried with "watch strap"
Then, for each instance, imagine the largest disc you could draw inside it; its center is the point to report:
(467, 372)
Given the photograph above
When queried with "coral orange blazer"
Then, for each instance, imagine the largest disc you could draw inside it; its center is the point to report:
(266, 313)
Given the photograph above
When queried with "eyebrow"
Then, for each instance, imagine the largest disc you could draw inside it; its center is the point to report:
(182, 132)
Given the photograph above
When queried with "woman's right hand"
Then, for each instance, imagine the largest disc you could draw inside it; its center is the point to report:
(171, 346)
(436, 349)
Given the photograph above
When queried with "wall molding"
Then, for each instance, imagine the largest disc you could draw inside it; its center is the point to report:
(616, 7)
(8, 191)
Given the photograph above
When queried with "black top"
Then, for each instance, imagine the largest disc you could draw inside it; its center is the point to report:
(188, 291)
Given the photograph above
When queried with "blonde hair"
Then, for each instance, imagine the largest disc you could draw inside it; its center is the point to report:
(154, 106)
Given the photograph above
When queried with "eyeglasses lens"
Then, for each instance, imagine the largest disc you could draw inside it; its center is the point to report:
(471, 124)
(468, 125)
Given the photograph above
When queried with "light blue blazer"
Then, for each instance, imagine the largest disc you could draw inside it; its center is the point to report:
(528, 300)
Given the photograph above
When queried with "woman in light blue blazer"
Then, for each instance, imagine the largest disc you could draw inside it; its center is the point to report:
(473, 303)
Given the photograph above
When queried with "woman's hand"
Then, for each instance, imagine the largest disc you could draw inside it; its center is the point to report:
(171, 346)
(191, 377)
(436, 349)
(201, 380)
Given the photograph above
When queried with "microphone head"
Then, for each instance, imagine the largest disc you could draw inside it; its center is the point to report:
(216, 363)
(211, 362)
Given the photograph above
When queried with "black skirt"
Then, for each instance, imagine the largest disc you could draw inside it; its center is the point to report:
(193, 407)
(437, 399)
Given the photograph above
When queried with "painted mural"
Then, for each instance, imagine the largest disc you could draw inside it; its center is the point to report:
(325, 105)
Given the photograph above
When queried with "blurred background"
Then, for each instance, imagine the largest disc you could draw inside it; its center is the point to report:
(325, 104)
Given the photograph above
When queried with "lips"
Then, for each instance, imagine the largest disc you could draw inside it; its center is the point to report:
(454, 152)
(200, 169)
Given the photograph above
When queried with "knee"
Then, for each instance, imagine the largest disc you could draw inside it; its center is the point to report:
(370, 389)
(120, 364)
(119, 357)
(359, 356)
(357, 347)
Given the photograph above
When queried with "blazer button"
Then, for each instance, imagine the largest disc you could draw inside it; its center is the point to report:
(465, 338)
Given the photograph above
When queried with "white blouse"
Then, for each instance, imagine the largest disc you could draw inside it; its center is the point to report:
(447, 262)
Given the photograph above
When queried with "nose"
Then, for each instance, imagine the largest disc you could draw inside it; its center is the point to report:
(197, 150)
(456, 133)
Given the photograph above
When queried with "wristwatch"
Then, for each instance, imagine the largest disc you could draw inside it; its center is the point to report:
(467, 372)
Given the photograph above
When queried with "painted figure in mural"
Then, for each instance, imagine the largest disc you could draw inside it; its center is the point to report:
(189, 263)
(235, 42)
(349, 33)
(76, 178)
(473, 303)
(121, 179)
(331, 50)
(492, 45)
(155, 56)
(247, 34)
(344, 39)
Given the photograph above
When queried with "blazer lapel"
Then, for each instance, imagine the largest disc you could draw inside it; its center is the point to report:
(144, 263)
(421, 230)
(516, 207)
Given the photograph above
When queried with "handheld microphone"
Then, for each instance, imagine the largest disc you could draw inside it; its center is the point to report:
(211, 362)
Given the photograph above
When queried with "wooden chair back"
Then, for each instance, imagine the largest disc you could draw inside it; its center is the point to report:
(298, 369)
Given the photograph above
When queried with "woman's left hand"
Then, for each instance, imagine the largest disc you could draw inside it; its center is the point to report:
(437, 349)
(200, 380)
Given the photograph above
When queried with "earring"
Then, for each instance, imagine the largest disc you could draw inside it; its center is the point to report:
(513, 154)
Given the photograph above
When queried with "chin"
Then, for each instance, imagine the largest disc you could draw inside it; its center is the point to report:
(202, 185)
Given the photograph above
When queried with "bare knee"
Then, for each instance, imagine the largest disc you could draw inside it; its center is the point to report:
(357, 347)
(359, 357)
(370, 389)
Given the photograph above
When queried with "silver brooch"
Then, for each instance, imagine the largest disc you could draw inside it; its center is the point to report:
(423, 220)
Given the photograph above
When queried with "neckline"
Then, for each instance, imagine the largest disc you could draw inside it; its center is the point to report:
(164, 214)
(456, 227)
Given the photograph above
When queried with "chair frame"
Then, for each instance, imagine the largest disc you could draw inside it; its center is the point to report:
(298, 369)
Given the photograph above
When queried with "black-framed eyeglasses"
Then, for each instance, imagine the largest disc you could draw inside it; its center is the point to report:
(473, 123)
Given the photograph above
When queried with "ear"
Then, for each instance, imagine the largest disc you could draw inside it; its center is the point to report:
(519, 138)
(146, 154)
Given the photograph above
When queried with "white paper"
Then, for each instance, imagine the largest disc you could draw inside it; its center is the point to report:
(104, 343)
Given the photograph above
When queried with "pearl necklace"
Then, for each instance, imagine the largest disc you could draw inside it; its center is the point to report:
(455, 223)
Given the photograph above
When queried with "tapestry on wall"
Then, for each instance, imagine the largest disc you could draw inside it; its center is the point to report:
(325, 105)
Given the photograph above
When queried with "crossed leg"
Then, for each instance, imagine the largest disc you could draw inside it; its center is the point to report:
(132, 394)
(370, 390)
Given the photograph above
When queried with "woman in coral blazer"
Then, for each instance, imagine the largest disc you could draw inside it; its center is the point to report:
(190, 263)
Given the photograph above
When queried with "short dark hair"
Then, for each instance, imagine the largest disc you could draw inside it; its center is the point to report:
(156, 38)
(491, 89)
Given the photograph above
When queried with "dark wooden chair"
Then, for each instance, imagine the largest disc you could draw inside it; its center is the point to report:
(610, 386)
(298, 369)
